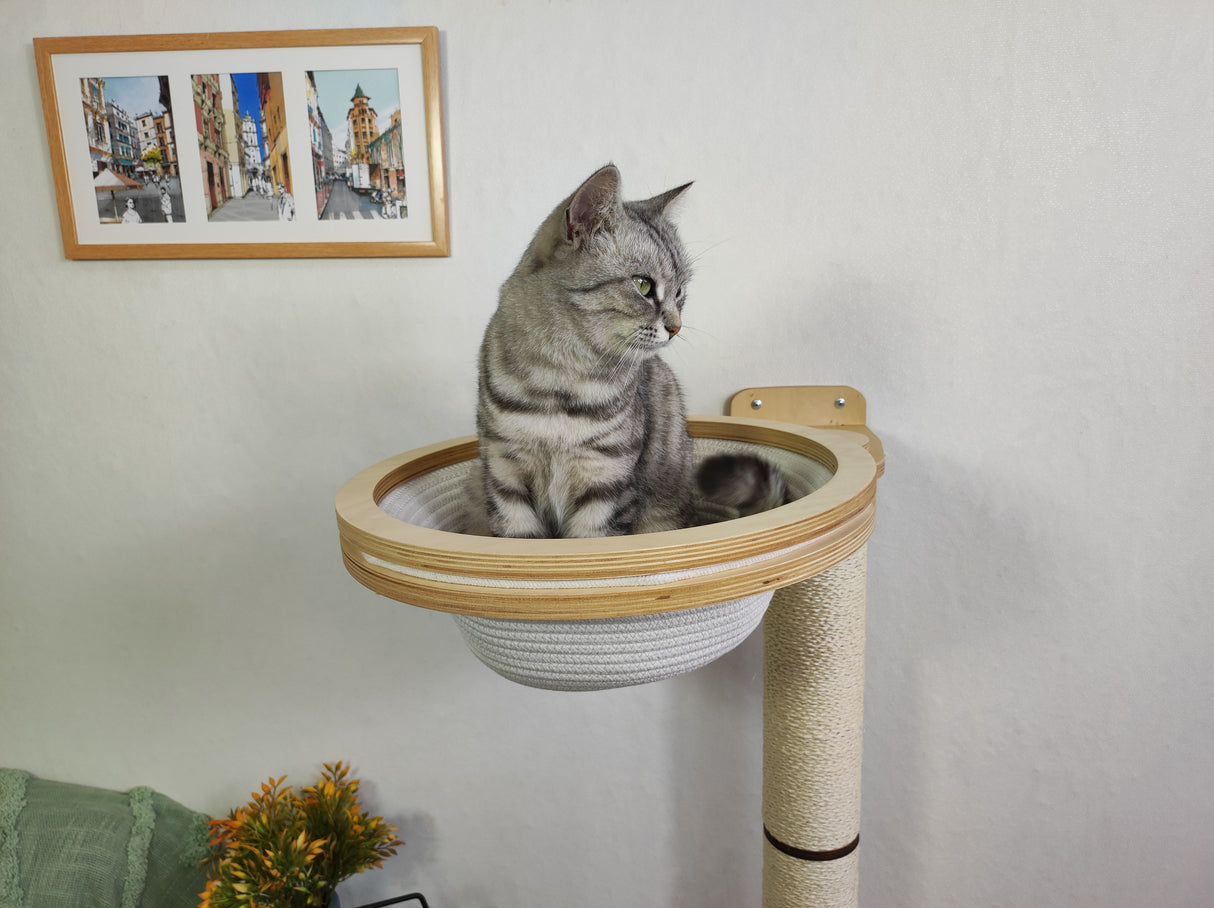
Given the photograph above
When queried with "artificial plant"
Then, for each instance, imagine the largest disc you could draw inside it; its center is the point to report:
(288, 850)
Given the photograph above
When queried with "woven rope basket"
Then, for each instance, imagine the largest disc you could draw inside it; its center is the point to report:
(597, 653)
(597, 613)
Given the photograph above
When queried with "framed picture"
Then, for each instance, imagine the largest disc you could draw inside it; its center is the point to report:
(247, 144)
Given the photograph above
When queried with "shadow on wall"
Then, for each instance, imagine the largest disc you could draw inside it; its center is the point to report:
(714, 775)
(959, 605)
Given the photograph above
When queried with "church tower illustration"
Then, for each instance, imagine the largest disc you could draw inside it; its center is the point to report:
(363, 129)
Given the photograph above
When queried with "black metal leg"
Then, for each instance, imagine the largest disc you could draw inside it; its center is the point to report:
(396, 901)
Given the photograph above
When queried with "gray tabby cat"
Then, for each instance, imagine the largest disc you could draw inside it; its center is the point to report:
(582, 426)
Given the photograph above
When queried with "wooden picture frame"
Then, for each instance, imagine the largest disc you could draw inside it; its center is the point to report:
(236, 146)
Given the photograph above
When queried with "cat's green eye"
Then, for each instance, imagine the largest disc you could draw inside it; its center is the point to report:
(644, 285)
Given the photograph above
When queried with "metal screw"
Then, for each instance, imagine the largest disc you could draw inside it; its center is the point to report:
(756, 404)
(840, 402)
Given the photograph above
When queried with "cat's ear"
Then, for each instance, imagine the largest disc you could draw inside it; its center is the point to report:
(593, 205)
(668, 203)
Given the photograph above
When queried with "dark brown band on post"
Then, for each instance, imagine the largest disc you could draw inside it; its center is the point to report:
(802, 855)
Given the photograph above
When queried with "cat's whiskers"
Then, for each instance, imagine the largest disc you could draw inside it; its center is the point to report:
(695, 329)
(695, 257)
(622, 354)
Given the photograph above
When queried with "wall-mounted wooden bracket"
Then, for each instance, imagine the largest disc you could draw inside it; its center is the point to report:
(819, 406)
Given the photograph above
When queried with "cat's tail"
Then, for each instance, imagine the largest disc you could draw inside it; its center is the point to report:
(742, 484)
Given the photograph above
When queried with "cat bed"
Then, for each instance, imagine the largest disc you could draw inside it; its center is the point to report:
(588, 614)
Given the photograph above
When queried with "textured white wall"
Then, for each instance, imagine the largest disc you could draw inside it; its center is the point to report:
(993, 219)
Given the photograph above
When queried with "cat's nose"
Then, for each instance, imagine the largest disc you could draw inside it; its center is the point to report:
(673, 326)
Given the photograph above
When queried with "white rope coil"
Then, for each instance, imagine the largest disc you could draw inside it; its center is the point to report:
(611, 652)
(599, 653)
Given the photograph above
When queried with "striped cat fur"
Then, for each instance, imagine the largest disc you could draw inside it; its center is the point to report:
(581, 424)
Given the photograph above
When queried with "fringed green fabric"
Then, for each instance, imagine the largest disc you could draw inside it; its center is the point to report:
(143, 821)
(12, 802)
(179, 843)
(196, 847)
(74, 846)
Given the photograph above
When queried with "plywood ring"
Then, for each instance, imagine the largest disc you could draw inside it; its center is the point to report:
(575, 579)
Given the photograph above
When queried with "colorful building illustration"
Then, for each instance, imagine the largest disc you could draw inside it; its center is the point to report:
(209, 120)
(92, 93)
(386, 158)
(274, 129)
(363, 128)
(124, 140)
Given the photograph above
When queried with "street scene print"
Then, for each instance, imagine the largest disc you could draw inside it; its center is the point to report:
(242, 143)
(357, 154)
(132, 149)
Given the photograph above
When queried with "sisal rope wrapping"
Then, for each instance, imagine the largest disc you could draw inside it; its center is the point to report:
(813, 707)
(792, 883)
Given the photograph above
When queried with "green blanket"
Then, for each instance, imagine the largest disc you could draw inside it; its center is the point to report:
(71, 846)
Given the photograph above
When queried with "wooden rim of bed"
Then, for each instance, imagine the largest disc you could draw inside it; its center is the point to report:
(609, 577)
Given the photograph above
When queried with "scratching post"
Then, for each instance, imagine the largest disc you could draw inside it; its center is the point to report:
(581, 614)
(813, 706)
